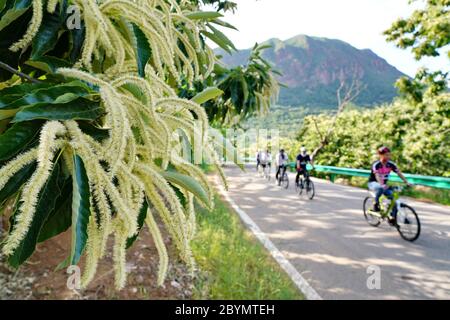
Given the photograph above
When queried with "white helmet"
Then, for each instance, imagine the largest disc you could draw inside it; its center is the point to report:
(303, 150)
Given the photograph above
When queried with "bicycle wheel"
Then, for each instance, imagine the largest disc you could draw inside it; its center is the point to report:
(267, 174)
(261, 172)
(371, 218)
(285, 181)
(310, 190)
(300, 187)
(408, 223)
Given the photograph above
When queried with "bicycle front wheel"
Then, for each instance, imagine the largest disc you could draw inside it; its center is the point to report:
(371, 218)
(408, 223)
(285, 182)
(268, 174)
(310, 190)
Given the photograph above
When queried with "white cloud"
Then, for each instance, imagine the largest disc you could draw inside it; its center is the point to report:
(358, 22)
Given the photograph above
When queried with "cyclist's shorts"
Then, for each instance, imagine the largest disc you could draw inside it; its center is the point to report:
(373, 186)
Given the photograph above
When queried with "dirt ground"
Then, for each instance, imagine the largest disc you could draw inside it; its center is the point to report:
(38, 280)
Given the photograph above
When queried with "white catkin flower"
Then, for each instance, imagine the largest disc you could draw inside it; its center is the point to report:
(33, 28)
(51, 5)
(93, 253)
(160, 246)
(15, 165)
(119, 256)
(144, 117)
(30, 194)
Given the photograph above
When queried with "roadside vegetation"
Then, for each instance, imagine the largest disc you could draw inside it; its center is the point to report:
(418, 136)
(233, 264)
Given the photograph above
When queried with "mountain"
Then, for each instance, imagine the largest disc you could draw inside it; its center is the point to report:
(313, 69)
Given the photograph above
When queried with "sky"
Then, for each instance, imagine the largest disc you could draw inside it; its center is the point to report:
(358, 22)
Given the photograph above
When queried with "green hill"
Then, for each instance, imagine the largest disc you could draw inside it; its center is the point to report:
(313, 69)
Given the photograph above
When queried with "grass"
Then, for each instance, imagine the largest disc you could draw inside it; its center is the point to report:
(233, 264)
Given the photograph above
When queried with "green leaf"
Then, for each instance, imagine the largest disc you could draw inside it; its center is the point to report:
(18, 9)
(93, 131)
(264, 47)
(188, 183)
(180, 195)
(9, 34)
(219, 34)
(222, 42)
(44, 205)
(2, 5)
(60, 219)
(204, 15)
(80, 109)
(19, 90)
(207, 94)
(141, 219)
(3, 125)
(224, 24)
(16, 182)
(80, 209)
(47, 36)
(143, 50)
(136, 92)
(16, 138)
(6, 114)
(48, 64)
(46, 95)
(77, 37)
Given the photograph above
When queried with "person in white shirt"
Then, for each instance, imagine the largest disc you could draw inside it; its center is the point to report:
(263, 159)
(282, 161)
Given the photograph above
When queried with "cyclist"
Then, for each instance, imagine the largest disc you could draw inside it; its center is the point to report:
(263, 159)
(282, 161)
(269, 159)
(302, 161)
(258, 159)
(379, 177)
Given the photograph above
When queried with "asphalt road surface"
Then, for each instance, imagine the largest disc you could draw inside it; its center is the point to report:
(331, 245)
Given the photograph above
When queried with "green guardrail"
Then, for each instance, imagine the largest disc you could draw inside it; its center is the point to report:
(429, 181)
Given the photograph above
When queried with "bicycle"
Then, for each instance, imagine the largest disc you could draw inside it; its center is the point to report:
(306, 184)
(283, 180)
(260, 171)
(407, 221)
(267, 172)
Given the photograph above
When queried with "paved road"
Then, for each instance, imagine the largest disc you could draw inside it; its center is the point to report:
(328, 241)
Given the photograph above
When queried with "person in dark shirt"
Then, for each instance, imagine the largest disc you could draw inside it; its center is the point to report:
(302, 161)
(379, 177)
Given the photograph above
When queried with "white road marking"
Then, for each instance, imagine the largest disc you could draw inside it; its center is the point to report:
(296, 277)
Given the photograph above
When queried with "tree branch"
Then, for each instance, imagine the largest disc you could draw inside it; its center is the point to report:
(8, 68)
(317, 129)
(351, 93)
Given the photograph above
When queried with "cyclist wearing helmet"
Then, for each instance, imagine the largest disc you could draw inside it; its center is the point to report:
(379, 177)
(282, 161)
(302, 161)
